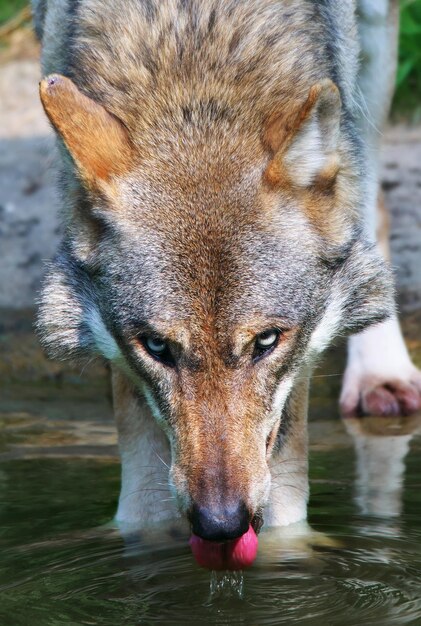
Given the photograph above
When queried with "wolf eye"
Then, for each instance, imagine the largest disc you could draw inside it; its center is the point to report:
(265, 342)
(157, 346)
(159, 349)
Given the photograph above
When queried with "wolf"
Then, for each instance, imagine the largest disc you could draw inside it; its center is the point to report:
(223, 222)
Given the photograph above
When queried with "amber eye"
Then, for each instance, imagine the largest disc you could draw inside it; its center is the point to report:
(265, 343)
(159, 349)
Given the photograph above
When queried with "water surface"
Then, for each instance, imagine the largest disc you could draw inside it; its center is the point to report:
(63, 564)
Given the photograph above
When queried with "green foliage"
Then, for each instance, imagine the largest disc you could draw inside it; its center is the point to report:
(408, 81)
(9, 8)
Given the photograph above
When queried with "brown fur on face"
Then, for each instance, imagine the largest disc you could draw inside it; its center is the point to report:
(199, 237)
(223, 69)
(217, 407)
(195, 220)
(281, 128)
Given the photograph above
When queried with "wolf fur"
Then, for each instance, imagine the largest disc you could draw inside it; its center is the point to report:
(217, 181)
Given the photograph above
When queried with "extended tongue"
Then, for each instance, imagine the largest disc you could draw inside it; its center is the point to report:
(228, 555)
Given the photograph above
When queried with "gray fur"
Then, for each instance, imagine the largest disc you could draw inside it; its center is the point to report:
(297, 281)
(38, 14)
(192, 237)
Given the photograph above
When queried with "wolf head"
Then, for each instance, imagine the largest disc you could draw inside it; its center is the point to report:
(210, 264)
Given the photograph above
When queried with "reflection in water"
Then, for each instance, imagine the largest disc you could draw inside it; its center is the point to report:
(381, 445)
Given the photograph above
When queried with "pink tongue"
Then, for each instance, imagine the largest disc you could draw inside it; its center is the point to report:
(236, 554)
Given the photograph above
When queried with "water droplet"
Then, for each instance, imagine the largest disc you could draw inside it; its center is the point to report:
(226, 585)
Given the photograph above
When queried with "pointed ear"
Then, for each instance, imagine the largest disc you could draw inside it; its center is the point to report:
(97, 141)
(304, 142)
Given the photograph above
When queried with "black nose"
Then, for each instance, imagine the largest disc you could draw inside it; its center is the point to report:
(220, 524)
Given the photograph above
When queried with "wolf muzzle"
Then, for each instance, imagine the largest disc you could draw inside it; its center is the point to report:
(223, 523)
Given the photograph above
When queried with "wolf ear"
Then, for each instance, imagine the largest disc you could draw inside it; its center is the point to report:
(304, 143)
(97, 141)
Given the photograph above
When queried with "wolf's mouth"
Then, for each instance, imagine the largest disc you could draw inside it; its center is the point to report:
(257, 521)
(230, 555)
(234, 554)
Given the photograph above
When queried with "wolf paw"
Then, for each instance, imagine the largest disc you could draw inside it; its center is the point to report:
(380, 378)
(371, 396)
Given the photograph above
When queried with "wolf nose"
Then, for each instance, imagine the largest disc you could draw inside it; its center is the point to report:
(220, 524)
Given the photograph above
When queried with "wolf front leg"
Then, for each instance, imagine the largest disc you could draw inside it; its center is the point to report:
(289, 463)
(380, 378)
(145, 497)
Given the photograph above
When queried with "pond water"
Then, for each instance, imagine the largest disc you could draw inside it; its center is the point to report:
(358, 562)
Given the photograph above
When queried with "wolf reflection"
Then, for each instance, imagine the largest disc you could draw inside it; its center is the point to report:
(381, 445)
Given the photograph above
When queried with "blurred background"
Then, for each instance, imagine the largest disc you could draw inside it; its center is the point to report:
(59, 469)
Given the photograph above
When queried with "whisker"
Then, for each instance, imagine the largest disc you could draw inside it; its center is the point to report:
(285, 472)
(326, 375)
(293, 460)
(300, 489)
(88, 362)
(161, 459)
(141, 490)
(311, 376)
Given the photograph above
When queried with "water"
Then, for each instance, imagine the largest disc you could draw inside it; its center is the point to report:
(62, 563)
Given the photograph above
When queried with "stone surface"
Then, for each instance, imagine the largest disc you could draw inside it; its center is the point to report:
(402, 185)
(28, 206)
